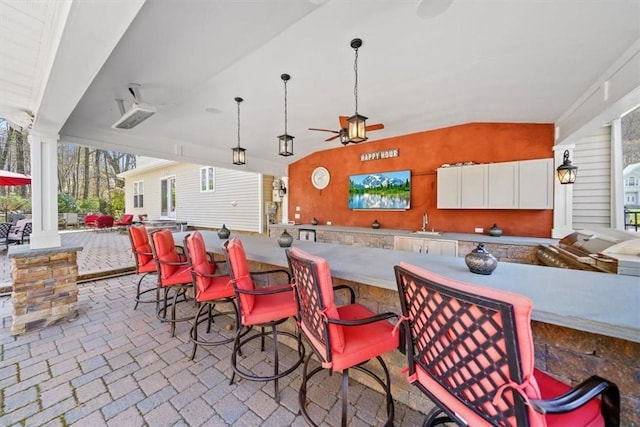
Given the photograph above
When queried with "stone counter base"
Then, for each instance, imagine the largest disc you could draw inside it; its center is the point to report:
(45, 289)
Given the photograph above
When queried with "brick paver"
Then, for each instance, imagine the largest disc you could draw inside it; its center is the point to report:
(116, 366)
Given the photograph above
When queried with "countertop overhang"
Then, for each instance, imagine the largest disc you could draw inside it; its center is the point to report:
(594, 302)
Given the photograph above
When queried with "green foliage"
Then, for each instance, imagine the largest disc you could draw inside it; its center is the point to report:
(66, 203)
(14, 202)
(91, 204)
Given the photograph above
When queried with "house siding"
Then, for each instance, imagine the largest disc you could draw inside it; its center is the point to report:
(236, 201)
(592, 189)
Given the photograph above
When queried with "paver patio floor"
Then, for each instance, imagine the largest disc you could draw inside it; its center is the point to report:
(115, 366)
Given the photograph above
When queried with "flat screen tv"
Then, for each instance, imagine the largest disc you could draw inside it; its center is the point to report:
(380, 190)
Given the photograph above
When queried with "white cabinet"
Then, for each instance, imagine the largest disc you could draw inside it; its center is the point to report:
(526, 184)
(535, 184)
(473, 186)
(448, 188)
(503, 191)
(426, 246)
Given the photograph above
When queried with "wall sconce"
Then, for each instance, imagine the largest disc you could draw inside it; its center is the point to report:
(285, 141)
(238, 152)
(566, 171)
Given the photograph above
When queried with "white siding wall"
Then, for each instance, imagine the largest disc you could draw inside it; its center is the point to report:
(235, 201)
(592, 190)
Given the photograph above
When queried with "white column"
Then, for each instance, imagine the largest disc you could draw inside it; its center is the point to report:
(562, 197)
(617, 181)
(44, 190)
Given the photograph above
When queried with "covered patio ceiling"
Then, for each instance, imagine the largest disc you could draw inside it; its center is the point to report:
(573, 63)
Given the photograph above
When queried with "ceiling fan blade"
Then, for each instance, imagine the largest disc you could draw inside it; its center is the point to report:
(343, 122)
(332, 138)
(377, 126)
(325, 130)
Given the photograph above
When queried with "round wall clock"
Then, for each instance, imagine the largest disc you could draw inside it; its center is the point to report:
(320, 178)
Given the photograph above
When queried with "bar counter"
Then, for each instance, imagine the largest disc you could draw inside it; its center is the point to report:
(584, 323)
(600, 303)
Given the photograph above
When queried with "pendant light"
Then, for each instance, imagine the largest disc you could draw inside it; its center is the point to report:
(356, 123)
(285, 141)
(566, 171)
(238, 152)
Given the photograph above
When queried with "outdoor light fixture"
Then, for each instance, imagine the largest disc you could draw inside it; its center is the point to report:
(356, 123)
(566, 171)
(285, 141)
(344, 136)
(238, 152)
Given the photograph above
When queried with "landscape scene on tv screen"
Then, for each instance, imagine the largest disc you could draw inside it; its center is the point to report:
(381, 190)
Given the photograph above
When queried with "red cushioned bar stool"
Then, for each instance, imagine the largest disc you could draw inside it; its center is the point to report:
(174, 275)
(262, 308)
(211, 288)
(342, 337)
(145, 264)
(470, 350)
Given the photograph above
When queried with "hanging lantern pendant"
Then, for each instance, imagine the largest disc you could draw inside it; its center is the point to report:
(238, 152)
(357, 125)
(285, 141)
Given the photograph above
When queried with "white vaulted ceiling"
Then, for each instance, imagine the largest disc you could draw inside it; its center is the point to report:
(526, 61)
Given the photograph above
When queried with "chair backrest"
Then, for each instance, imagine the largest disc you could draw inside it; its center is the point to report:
(104, 221)
(240, 274)
(314, 291)
(26, 231)
(164, 251)
(140, 245)
(199, 261)
(127, 219)
(469, 347)
(4, 229)
(90, 219)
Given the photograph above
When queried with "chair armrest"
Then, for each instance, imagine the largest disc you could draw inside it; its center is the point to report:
(277, 289)
(580, 395)
(352, 293)
(366, 320)
(143, 253)
(177, 263)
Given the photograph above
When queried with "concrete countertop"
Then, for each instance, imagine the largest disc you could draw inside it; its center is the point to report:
(600, 303)
(471, 237)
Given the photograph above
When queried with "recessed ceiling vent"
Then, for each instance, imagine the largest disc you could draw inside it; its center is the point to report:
(139, 111)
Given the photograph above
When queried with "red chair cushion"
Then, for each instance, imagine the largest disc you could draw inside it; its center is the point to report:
(271, 307)
(142, 246)
(238, 263)
(363, 342)
(588, 415)
(126, 219)
(200, 261)
(165, 250)
(219, 287)
(90, 220)
(326, 287)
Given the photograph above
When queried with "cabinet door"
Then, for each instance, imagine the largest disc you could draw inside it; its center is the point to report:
(448, 188)
(503, 185)
(473, 186)
(401, 243)
(440, 247)
(535, 184)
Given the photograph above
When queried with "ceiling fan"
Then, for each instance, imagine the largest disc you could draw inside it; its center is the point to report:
(428, 9)
(343, 130)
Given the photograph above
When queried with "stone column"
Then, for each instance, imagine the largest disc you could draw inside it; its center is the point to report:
(45, 289)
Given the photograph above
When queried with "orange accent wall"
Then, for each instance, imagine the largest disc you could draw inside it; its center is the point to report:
(423, 153)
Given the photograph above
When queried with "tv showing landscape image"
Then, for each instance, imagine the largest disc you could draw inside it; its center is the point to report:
(381, 190)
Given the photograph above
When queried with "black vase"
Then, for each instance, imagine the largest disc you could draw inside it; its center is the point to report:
(495, 231)
(314, 221)
(375, 224)
(224, 232)
(480, 261)
(285, 239)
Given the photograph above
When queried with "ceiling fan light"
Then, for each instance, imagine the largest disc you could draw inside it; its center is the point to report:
(357, 128)
(285, 145)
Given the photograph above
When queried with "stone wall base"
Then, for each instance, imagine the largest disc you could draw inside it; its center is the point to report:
(45, 289)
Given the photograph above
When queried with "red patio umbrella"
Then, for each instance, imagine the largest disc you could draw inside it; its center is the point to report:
(12, 178)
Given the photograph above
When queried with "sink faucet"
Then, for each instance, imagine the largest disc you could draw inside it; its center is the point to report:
(425, 221)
